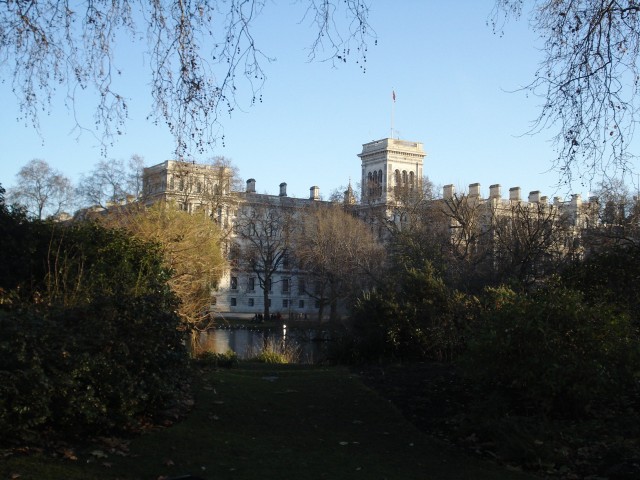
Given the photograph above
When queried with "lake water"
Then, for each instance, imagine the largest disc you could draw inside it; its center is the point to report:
(245, 342)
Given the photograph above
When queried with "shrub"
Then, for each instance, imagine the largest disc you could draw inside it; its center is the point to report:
(419, 318)
(273, 351)
(102, 350)
(552, 352)
(228, 359)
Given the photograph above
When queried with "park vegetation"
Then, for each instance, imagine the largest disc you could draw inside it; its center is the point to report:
(94, 314)
(89, 339)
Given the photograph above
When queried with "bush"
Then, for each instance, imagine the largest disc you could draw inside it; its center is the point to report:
(418, 319)
(552, 352)
(102, 350)
(273, 351)
(228, 359)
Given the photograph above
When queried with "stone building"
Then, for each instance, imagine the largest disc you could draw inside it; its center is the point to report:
(392, 171)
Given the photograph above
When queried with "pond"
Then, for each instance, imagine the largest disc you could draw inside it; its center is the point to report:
(309, 345)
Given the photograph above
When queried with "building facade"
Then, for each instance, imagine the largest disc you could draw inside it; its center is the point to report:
(392, 171)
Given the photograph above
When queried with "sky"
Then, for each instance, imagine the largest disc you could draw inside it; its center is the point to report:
(456, 84)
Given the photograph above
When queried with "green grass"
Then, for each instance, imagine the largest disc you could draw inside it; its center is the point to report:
(274, 421)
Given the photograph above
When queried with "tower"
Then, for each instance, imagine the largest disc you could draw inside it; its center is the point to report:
(390, 166)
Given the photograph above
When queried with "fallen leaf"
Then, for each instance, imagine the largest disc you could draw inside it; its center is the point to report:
(99, 454)
(69, 454)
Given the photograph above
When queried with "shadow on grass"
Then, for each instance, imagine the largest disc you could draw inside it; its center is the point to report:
(267, 421)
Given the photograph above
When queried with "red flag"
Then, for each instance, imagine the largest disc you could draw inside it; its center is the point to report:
(393, 95)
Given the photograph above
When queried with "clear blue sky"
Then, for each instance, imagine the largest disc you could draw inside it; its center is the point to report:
(452, 76)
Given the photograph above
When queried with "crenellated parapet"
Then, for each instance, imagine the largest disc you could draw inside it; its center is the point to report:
(579, 213)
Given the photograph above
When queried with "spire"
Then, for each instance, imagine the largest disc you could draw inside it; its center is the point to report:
(349, 196)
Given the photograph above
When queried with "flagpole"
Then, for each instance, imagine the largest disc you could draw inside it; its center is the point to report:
(393, 107)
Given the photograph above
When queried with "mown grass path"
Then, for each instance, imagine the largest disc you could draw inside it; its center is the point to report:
(275, 422)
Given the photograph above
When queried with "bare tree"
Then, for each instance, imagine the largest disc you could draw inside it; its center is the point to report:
(111, 182)
(338, 253)
(588, 80)
(206, 186)
(42, 190)
(203, 56)
(615, 216)
(264, 238)
(530, 240)
(134, 175)
(468, 254)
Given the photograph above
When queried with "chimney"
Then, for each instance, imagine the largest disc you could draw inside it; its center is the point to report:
(576, 200)
(314, 193)
(251, 185)
(283, 189)
(534, 197)
(514, 194)
(448, 191)
(474, 190)
(494, 191)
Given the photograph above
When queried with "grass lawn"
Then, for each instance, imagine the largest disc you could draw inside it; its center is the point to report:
(263, 422)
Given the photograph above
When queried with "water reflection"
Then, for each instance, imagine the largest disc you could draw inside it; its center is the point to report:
(246, 343)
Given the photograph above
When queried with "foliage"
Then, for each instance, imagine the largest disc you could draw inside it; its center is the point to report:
(610, 277)
(202, 57)
(274, 351)
(553, 353)
(228, 359)
(417, 318)
(88, 336)
(189, 245)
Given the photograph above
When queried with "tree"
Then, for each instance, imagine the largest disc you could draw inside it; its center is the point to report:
(190, 246)
(42, 190)
(588, 80)
(264, 239)
(530, 240)
(112, 182)
(206, 186)
(202, 56)
(468, 258)
(338, 252)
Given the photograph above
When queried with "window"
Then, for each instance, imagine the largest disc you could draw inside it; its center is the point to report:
(285, 285)
(300, 303)
(251, 302)
(317, 303)
(252, 284)
(269, 303)
(301, 287)
(267, 285)
(233, 301)
(234, 283)
(285, 303)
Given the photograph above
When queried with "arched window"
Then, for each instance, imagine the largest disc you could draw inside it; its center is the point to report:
(404, 178)
(380, 183)
(370, 183)
(412, 181)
